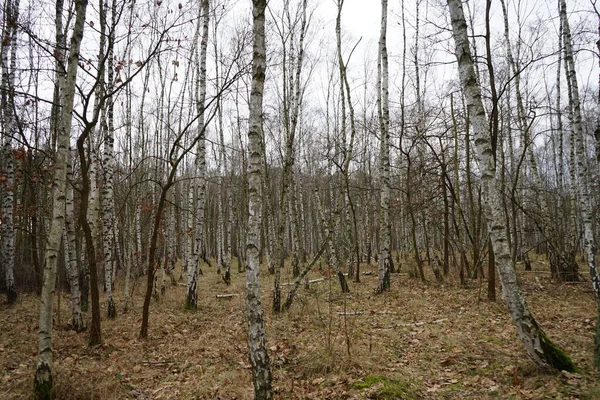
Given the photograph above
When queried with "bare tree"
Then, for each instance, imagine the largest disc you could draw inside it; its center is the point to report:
(579, 164)
(8, 57)
(43, 381)
(384, 156)
(200, 180)
(259, 358)
(538, 345)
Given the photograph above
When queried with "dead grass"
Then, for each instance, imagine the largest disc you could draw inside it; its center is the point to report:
(427, 341)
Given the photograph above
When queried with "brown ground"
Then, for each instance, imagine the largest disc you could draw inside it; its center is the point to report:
(420, 341)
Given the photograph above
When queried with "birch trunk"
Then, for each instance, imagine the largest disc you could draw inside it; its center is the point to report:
(108, 199)
(9, 129)
(539, 347)
(189, 235)
(43, 381)
(579, 163)
(259, 359)
(70, 242)
(384, 157)
(200, 88)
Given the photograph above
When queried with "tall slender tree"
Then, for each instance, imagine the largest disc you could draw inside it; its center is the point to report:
(8, 121)
(200, 180)
(259, 358)
(537, 344)
(383, 112)
(70, 245)
(579, 164)
(108, 197)
(43, 381)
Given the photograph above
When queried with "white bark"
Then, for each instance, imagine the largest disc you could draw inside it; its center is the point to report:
(171, 245)
(384, 156)
(579, 158)
(200, 88)
(108, 199)
(43, 386)
(583, 185)
(189, 237)
(9, 129)
(77, 322)
(138, 240)
(259, 359)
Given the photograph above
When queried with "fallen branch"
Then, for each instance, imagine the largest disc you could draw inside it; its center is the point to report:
(421, 323)
(350, 313)
(311, 281)
(227, 296)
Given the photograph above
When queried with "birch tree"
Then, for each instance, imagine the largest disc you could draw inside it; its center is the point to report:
(200, 180)
(537, 344)
(8, 58)
(43, 380)
(383, 112)
(108, 199)
(70, 244)
(259, 358)
(579, 164)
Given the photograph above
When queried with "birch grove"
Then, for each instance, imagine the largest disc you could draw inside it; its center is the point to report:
(158, 153)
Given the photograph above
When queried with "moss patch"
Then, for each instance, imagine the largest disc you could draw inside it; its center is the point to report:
(557, 358)
(384, 388)
(43, 388)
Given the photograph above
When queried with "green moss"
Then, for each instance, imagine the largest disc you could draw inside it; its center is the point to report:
(385, 388)
(190, 304)
(491, 339)
(557, 358)
(43, 387)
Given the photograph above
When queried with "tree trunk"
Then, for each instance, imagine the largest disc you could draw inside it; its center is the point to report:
(539, 347)
(43, 381)
(78, 323)
(259, 359)
(384, 157)
(9, 130)
(583, 184)
(200, 180)
(108, 199)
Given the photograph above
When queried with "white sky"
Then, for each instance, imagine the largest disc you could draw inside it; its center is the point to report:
(360, 17)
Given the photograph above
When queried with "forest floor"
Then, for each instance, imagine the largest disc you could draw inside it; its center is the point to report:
(418, 341)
